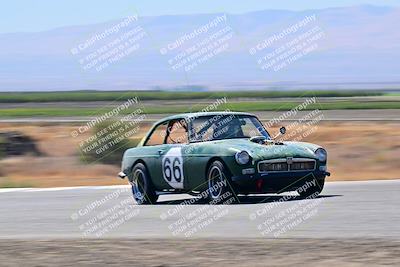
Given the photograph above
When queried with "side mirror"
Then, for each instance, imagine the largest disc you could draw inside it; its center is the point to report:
(282, 130)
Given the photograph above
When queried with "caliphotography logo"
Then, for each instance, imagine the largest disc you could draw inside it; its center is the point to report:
(212, 133)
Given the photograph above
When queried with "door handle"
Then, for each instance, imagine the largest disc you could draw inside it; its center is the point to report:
(160, 152)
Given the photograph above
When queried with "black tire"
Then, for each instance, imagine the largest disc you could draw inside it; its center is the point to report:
(219, 189)
(312, 191)
(142, 188)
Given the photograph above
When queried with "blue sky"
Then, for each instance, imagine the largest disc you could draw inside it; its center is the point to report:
(38, 15)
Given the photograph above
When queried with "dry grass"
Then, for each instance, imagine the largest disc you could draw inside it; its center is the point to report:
(60, 166)
(357, 151)
(360, 151)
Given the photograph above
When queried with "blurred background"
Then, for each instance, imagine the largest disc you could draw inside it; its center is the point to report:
(60, 71)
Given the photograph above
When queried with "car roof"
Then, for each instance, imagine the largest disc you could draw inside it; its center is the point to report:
(201, 114)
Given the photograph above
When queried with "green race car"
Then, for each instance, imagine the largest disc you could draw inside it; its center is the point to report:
(219, 154)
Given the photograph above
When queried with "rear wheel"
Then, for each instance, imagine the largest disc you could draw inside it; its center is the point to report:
(219, 190)
(142, 187)
(311, 188)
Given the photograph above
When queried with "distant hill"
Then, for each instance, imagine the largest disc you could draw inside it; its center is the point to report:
(360, 47)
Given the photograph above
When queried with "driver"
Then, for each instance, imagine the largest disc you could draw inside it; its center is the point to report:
(231, 130)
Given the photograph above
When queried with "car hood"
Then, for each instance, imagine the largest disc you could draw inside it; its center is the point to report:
(271, 151)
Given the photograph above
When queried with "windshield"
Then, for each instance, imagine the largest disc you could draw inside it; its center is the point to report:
(223, 126)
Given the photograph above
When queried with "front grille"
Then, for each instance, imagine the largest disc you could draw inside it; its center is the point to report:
(273, 167)
(302, 166)
(285, 165)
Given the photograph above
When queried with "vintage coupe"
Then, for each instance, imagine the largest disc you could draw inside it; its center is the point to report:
(219, 153)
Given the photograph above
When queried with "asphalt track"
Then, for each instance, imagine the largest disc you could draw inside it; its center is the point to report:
(367, 209)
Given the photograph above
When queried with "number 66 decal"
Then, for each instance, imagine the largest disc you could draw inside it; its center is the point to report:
(172, 168)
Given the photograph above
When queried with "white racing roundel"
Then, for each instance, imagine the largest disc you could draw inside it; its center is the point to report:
(172, 168)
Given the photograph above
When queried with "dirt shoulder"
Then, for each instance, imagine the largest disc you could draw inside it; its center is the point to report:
(154, 252)
(357, 151)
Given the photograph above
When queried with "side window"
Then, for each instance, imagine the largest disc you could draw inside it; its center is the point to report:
(177, 132)
(158, 135)
(203, 129)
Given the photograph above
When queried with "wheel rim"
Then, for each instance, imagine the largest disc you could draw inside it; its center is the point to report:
(138, 185)
(215, 178)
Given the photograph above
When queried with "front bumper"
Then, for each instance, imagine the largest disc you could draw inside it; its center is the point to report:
(122, 175)
(276, 182)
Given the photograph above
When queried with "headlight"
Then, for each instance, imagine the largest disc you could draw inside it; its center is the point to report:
(321, 154)
(242, 157)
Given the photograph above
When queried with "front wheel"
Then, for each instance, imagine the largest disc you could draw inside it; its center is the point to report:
(142, 187)
(219, 190)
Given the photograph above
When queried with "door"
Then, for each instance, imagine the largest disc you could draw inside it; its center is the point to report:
(170, 165)
(156, 147)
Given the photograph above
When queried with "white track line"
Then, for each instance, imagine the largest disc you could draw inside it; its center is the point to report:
(51, 189)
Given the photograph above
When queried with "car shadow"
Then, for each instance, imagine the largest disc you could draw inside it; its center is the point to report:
(243, 200)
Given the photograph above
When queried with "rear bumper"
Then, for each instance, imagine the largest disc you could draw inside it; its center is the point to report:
(276, 182)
